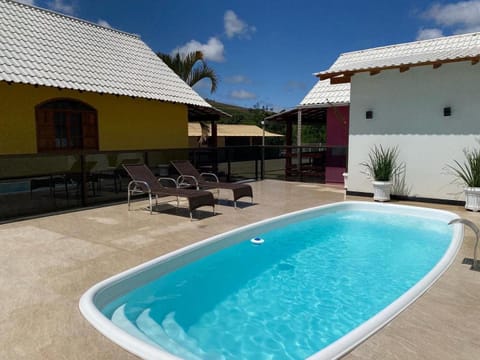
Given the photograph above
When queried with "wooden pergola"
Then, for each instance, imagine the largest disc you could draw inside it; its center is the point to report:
(299, 116)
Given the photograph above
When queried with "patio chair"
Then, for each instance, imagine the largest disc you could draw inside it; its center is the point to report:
(145, 182)
(190, 177)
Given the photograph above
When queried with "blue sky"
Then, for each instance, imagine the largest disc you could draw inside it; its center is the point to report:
(265, 52)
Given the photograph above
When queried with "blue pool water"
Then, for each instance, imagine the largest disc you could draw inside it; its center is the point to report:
(307, 285)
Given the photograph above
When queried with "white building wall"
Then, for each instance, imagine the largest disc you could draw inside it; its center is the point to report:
(408, 113)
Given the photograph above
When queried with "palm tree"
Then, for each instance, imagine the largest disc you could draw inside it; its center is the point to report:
(185, 67)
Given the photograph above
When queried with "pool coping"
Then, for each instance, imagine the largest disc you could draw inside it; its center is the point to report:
(361, 333)
(335, 350)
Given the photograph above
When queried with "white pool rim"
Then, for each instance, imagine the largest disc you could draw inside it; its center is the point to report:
(115, 286)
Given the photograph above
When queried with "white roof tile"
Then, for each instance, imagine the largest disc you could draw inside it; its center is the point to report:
(448, 48)
(41, 47)
(324, 93)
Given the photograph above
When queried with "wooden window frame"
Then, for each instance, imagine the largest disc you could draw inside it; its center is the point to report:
(46, 127)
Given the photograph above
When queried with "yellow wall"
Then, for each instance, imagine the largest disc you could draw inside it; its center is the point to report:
(124, 123)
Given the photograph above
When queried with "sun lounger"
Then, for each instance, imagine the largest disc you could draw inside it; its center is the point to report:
(145, 182)
(190, 177)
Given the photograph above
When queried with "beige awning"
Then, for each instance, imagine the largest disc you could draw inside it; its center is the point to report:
(227, 130)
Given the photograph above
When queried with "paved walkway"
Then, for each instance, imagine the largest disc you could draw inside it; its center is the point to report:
(47, 263)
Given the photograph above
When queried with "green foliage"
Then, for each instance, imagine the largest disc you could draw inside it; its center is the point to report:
(311, 133)
(241, 115)
(190, 67)
(469, 171)
(252, 116)
(382, 163)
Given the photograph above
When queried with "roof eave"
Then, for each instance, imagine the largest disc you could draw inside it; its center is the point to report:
(203, 113)
(112, 93)
(344, 76)
(292, 114)
(323, 105)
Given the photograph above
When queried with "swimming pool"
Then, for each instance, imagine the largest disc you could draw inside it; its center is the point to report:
(289, 297)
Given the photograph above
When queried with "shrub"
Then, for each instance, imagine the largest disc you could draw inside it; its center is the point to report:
(382, 163)
(469, 171)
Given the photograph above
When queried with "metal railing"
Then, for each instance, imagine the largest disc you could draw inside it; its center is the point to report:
(34, 184)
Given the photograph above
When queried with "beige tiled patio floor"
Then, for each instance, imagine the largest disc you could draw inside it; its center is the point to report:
(47, 263)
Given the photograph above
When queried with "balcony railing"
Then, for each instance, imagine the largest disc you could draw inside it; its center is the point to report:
(41, 183)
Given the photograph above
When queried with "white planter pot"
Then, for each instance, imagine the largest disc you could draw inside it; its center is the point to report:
(472, 198)
(381, 190)
(345, 179)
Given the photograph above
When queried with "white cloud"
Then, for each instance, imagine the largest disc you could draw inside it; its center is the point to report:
(236, 27)
(425, 34)
(242, 95)
(26, 2)
(212, 50)
(238, 79)
(463, 16)
(61, 6)
(104, 23)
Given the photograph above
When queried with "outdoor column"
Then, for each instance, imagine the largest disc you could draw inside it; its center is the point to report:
(263, 150)
(299, 128)
(288, 134)
(213, 127)
(299, 138)
(288, 150)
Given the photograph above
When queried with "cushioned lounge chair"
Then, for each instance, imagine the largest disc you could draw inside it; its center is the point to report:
(190, 177)
(145, 182)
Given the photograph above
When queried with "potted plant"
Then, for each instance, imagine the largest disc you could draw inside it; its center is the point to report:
(468, 174)
(381, 167)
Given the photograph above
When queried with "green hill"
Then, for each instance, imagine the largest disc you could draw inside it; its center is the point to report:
(241, 115)
(311, 133)
(250, 116)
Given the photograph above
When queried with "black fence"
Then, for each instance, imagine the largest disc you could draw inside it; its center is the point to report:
(42, 183)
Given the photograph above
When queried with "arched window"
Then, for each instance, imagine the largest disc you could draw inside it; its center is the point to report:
(66, 124)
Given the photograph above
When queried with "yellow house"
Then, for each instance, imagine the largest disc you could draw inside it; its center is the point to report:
(68, 84)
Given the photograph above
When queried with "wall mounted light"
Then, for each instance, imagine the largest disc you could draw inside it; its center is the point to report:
(369, 114)
(447, 111)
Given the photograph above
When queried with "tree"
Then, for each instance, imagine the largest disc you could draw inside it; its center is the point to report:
(186, 67)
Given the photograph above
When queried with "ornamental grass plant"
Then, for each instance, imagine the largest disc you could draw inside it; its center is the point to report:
(468, 172)
(382, 163)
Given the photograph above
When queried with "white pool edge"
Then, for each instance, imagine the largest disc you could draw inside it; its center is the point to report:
(351, 340)
(335, 350)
